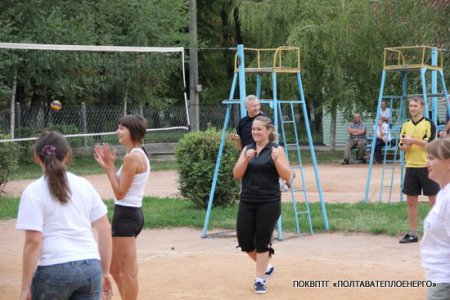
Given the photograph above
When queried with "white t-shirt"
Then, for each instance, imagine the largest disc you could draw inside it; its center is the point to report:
(386, 113)
(66, 228)
(384, 128)
(435, 245)
(135, 193)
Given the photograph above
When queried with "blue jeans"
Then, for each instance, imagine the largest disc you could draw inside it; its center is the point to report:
(80, 280)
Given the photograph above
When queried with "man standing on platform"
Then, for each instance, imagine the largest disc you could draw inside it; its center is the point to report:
(415, 134)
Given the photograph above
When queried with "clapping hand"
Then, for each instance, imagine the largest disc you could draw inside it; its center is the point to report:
(104, 157)
(235, 136)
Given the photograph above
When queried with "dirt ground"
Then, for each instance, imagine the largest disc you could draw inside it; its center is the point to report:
(179, 264)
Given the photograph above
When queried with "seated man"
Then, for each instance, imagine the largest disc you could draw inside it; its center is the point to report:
(385, 112)
(446, 131)
(383, 138)
(357, 131)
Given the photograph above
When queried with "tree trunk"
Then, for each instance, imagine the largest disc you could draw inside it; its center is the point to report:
(332, 146)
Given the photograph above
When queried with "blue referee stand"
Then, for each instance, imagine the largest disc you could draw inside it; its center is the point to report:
(400, 64)
(282, 60)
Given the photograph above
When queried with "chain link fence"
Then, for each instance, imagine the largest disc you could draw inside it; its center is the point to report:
(97, 123)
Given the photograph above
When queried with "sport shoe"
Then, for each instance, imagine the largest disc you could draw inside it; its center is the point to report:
(260, 287)
(345, 162)
(269, 273)
(409, 238)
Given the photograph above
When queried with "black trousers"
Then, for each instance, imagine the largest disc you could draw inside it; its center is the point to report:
(255, 224)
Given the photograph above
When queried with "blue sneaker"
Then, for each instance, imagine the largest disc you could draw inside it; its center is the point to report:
(260, 287)
(269, 273)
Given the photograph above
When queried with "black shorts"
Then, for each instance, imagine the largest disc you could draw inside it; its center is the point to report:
(416, 180)
(255, 224)
(127, 221)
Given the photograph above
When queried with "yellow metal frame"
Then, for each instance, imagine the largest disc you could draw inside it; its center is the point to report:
(402, 60)
(277, 65)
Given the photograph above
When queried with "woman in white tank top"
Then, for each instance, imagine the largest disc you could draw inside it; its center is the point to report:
(128, 185)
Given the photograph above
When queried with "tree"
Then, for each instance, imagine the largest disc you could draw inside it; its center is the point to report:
(342, 42)
(95, 78)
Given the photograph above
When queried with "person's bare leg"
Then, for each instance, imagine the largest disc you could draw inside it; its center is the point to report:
(432, 199)
(412, 212)
(262, 260)
(125, 248)
(115, 269)
(252, 255)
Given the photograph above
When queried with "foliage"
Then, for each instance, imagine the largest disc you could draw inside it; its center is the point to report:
(196, 154)
(9, 155)
(94, 78)
(342, 42)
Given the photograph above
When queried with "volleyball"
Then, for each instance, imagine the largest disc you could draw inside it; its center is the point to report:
(56, 105)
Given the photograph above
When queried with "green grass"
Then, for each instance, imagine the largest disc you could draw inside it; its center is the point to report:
(80, 166)
(86, 165)
(390, 219)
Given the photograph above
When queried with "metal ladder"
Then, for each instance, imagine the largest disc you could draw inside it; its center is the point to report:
(294, 167)
(397, 154)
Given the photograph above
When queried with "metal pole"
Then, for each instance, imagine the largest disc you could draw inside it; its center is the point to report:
(83, 124)
(434, 99)
(313, 156)
(242, 90)
(193, 69)
(219, 158)
(13, 111)
(372, 148)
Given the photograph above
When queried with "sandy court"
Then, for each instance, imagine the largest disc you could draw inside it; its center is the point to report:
(339, 184)
(179, 264)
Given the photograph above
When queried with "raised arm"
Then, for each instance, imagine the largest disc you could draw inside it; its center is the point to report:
(241, 165)
(281, 163)
(130, 165)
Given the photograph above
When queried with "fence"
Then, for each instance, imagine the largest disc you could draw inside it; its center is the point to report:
(32, 121)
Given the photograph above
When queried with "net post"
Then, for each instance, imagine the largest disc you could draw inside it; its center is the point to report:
(83, 124)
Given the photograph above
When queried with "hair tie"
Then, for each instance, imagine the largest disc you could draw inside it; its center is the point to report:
(48, 150)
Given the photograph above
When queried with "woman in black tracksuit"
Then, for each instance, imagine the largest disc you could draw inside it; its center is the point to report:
(260, 167)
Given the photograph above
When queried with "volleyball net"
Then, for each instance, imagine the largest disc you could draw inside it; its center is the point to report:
(96, 86)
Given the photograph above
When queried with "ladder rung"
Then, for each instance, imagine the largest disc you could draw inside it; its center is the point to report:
(296, 167)
(287, 122)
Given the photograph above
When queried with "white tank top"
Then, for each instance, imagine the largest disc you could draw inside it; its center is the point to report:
(135, 193)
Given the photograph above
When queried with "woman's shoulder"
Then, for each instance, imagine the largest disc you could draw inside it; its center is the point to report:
(36, 185)
(134, 154)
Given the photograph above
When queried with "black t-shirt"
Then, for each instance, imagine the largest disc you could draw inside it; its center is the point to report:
(261, 180)
(244, 129)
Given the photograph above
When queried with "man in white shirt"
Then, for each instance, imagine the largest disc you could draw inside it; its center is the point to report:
(385, 112)
(383, 138)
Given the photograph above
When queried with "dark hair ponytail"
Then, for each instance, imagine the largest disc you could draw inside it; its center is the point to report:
(52, 148)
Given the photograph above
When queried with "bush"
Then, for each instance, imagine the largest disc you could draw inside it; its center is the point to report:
(196, 155)
(9, 156)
